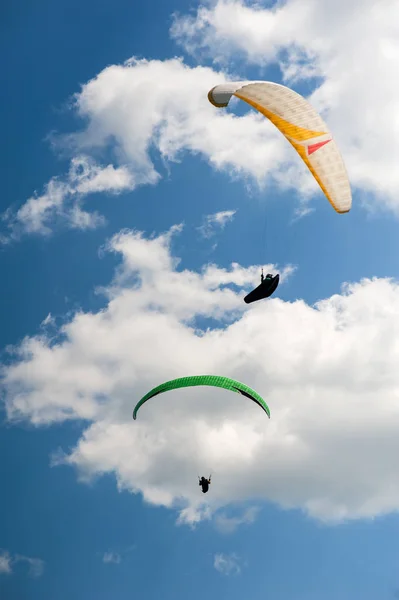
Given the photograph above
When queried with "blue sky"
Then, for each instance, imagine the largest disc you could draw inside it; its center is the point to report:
(94, 505)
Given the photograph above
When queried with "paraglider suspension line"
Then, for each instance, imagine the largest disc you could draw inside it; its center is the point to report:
(263, 241)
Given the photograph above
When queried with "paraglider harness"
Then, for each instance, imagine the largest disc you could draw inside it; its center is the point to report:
(266, 288)
(204, 483)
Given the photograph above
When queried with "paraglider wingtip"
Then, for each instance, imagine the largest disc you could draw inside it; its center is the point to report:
(212, 100)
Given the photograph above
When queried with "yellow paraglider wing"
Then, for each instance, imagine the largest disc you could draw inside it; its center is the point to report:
(303, 127)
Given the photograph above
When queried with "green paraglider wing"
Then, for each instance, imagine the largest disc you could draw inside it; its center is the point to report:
(212, 380)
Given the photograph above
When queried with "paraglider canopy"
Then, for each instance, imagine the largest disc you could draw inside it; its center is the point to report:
(210, 380)
(302, 126)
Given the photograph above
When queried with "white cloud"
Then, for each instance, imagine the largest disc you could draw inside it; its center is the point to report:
(225, 27)
(345, 52)
(215, 221)
(5, 562)
(227, 564)
(112, 557)
(167, 297)
(351, 46)
(174, 118)
(328, 372)
(62, 199)
(36, 565)
(227, 524)
(94, 179)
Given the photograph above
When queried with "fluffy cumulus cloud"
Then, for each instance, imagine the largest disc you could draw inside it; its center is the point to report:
(149, 300)
(348, 51)
(345, 53)
(62, 198)
(146, 105)
(146, 108)
(328, 372)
